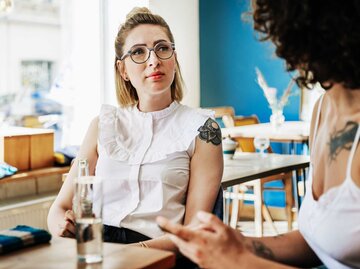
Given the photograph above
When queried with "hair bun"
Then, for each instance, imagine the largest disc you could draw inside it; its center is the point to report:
(137, 10)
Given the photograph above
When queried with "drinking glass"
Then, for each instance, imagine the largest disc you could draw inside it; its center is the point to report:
(89, 227)
(261, 143)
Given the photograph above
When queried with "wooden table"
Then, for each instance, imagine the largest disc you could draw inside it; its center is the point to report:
(61, 253)
(291, 132)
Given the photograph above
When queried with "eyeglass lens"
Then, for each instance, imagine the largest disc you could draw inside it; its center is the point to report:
(141, 54)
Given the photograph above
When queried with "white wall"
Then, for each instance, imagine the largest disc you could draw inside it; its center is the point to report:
(4, 59)
(84, 60)
(183, 19)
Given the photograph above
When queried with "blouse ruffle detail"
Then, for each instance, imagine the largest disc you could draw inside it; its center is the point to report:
(182, 131)
(122, 131)
(108, 136)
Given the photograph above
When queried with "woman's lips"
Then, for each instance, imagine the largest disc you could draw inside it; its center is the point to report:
(156, 75)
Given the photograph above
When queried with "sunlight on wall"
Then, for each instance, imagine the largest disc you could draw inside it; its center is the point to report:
(84, 64)
(114, 13)
(92, 38)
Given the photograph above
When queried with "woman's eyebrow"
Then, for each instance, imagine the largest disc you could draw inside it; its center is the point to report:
(143, 44)
(158, 41)
(136, 45)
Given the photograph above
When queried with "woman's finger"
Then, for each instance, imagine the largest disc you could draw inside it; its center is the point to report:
(210, 221)
(186, 248)
(66, 230)
(69, 215)
(70, 227)
(176, 229)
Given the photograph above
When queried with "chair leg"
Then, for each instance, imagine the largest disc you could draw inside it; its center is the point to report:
(257, 208)
(234, 208)
(268, 218)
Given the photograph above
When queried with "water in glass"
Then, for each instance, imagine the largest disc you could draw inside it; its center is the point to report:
(89, 236)
(89, 228)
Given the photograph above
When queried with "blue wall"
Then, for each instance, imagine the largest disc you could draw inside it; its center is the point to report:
(229, 52)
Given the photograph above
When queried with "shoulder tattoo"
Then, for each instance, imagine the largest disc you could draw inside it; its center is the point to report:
(210, 132)
(342, 139)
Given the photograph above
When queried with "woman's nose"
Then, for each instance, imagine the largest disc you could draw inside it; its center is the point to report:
(153, 60)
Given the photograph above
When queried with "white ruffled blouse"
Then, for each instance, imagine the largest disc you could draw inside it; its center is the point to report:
(144, 160)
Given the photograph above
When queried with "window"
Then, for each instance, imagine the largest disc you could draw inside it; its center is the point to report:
(53, 50)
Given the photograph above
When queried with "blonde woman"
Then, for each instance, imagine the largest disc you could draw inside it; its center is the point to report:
(156, 156)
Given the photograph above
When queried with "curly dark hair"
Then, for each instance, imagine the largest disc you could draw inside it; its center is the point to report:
(320, 38)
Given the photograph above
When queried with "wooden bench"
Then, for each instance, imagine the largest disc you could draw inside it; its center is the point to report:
(32, 182)
(36, 173)
(25, 198)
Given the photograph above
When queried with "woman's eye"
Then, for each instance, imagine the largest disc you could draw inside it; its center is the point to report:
(138, 51)
(162, 48)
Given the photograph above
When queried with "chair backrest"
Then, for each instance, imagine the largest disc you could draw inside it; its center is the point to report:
(231, 121)
(220, 111)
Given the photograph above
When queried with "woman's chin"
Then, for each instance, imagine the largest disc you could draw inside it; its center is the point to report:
(159, 91)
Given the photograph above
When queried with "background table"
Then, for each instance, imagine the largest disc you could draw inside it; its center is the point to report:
(291, 132)
(61, 253)
(249, 166)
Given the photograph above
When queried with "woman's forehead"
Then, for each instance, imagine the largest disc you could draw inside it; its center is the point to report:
(146, 34)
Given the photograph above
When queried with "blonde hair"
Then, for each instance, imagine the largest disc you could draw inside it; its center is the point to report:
(125, 91)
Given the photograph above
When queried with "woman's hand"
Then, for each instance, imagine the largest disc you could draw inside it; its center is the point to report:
(212, 244)
(67, 228)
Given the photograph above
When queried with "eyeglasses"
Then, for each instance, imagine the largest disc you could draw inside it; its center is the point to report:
(140, 54)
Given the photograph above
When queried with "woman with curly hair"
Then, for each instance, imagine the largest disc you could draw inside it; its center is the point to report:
(320, 39)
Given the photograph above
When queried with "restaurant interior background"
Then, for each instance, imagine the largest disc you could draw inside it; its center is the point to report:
(54, 53)
(56, 61)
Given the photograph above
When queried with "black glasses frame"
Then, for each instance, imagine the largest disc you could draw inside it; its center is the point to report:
(129, 53)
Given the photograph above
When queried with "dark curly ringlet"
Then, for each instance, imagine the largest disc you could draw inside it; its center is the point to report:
(125, 91)
(320, 38)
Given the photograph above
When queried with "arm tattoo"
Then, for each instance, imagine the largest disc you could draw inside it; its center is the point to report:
(342, 139)
(262, 251)
(210, 132)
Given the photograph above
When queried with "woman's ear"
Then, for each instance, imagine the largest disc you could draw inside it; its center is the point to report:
(122, 70)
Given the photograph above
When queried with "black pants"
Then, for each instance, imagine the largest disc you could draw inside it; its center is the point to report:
(122, 235)
(125, 236)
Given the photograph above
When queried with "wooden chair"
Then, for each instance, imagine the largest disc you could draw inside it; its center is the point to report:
(221, 111)
(244, 144)
(258, 186)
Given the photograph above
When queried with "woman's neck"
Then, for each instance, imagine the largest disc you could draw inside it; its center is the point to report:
(154, 103)
(344, 99)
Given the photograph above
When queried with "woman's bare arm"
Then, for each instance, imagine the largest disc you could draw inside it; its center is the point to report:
(206, 168)
(289, 248)
(60, 219)
(215, 245)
